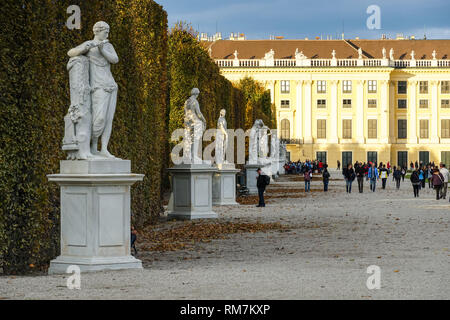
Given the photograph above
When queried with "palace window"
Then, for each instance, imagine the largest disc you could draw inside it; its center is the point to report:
(445, 86)
(346, 129)
(372, 129)
(285, 86)
(347, 86)
(285, 103)
(423, 87)
(372, 156)
(321, 156)
(321, 86)
(321, 103)
(321, 129)
(372, 103)
(402, 159)
(445, 128)
(423, 103)
(372, 86)
(346, 158)
(285, 129)
(347, 103)
(445, 158)
(401, 87)
(445, 103)
(423, 129)
(402, 128)
(401, 103)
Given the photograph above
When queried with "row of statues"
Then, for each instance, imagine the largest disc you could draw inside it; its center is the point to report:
(93, 97)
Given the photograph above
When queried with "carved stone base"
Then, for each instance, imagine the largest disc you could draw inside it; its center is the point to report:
(224, 187)
(192, 192)
(95, 215)
(251, 175)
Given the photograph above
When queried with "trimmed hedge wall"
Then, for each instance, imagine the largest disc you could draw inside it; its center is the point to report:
(35, 97)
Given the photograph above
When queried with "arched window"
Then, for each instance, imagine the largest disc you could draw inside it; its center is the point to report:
(285, 129)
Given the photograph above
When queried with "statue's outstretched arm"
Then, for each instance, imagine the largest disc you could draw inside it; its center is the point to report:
(109, 53)
(81, 49)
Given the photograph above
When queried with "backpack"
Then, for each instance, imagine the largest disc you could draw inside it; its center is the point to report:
(266, 180)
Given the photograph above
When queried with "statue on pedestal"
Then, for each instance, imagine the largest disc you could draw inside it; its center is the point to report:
(93, 95)
(194, 126)
(253, 149)
(221, 138)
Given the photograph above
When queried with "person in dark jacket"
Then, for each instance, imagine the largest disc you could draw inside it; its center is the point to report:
(261, 183)
(397, 176)
(326, 177)
(349, 175)
(360, 174)
(415, 181)
(437, 179)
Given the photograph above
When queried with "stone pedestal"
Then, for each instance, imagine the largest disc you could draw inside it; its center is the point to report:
(224, 186)
(281, 164)
(95, 215)
(251, 175)
(192, 192)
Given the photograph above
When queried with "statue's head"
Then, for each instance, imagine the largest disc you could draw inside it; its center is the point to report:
(223, 112)
(101, 30)
(195, 92)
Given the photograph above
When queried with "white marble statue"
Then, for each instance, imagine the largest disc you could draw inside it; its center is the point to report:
(194, 126)
(269, 55)
(383, 52)
(221, 138)
(299, 55)
(274, 145)
(333, 54)
(263, 141)
(391, 54)
(360, 53)
(98, 104)
(433, 54)
(253, 149)
(235, 54)
(412, 55)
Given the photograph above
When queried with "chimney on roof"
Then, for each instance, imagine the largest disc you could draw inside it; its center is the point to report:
(279, 38)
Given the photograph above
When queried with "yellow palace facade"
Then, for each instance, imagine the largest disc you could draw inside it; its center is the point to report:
(351, 100)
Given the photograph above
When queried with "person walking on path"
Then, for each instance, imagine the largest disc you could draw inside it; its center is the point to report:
(308, 176)
(397, 176)
(326, 177)
(338, 165)
(261, 183)
(349, 175)
(403, 174)
(373, 177)
(360, 173)
(430, 172)
(421, 178)
(384, 173)
(446, 174)
(437, 179)
(415, 181)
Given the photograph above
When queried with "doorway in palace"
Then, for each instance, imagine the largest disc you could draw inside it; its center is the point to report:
(346, 158)
(321, 156)
(424, 157)
(372, 156)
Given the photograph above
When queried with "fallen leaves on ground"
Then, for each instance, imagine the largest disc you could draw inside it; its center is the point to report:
(188, 234)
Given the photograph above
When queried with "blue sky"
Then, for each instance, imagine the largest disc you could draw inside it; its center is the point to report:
(297, 19)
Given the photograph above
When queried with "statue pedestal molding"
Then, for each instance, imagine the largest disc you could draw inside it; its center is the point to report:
(251, 175)
(95, 215)
(224, 185)
(281, 164)
(192, 192)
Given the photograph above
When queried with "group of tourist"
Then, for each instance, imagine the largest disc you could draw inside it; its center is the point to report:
(437, 177)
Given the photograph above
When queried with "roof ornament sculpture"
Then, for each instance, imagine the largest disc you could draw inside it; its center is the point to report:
(434, 54)
(383, 51)
(391, 54)
(412, 55)
(235, 54)
(269, 55)
(359, 53)
(299, 55)
(333, 54)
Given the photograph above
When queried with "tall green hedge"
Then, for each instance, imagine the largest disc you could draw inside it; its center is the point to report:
(35, 97)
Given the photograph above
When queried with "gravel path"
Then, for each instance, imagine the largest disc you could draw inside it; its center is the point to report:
(332, 238)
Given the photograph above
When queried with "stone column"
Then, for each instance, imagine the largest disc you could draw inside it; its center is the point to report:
(434, 134)
(308, 112)
(360, 111)
(385, 114)
(412, 120)
(333, 138)
(299, 88)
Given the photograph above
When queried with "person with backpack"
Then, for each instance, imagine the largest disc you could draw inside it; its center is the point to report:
(349, 175)
(373, 177)
(261, 182)
(384, 173)
(437, 179)
(397, 177)
(360, 173)
(325, 177)
(415, 181)
(308, 177)
(446, 174)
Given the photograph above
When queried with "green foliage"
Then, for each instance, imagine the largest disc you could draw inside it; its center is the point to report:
(35, 97)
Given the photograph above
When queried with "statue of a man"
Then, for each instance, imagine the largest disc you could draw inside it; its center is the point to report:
(221, 138)
(101, 55)
(254, 142)
(194, 125)
(263, 141)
